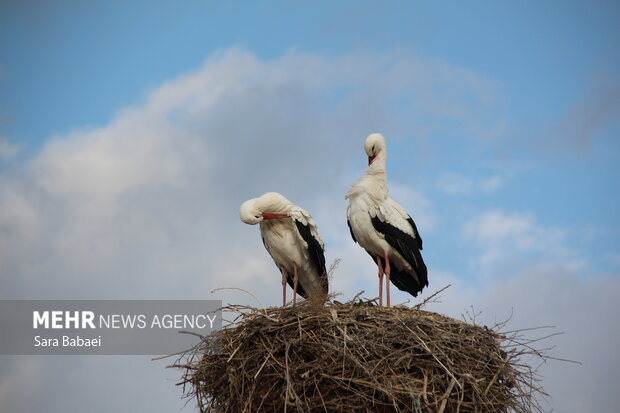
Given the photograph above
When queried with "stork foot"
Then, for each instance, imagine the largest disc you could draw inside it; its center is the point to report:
(387, 279)
(295, 282)
(283, 271)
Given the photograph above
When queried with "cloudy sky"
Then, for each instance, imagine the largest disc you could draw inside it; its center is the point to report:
(131, 132)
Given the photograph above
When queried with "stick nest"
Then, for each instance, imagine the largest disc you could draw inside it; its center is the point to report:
(358, 357)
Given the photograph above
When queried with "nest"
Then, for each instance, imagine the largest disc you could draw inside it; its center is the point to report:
(358, 357)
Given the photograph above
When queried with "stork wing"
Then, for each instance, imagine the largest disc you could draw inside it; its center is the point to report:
(390, 204)
(401, 233)
(308, 232)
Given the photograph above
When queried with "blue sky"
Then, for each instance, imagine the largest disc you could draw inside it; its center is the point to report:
(130, 133)
(110, 53)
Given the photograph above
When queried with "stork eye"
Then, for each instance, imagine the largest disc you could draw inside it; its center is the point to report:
(256, 216)
(373, 148)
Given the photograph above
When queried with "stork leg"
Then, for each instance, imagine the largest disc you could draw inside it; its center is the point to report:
(380, 266)
(283, 286)
(387, 278)
(295, 281)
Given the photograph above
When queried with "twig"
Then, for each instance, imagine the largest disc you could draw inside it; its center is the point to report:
(430, 297)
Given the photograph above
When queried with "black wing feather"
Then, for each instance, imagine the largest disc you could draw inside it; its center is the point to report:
(317, 254)
(351, 231)
(415, 231)
(409, 247)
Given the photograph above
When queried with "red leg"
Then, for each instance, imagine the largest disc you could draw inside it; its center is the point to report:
(295, 281)
(387, 278)
(283, 286)
(380, 266)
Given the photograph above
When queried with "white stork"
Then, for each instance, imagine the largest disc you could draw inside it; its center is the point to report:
(383, 228)
(291, 238)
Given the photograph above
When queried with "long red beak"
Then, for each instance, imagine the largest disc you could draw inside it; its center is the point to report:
(371, 158)
(269, 215)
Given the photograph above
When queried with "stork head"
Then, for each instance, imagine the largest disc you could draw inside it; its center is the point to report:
(268, 206)
(374, 146)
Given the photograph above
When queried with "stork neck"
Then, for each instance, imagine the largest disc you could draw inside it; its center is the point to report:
(377, 167)
(372, 186)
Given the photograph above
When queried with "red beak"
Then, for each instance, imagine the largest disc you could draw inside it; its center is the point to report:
(269, 215)
(371, 158)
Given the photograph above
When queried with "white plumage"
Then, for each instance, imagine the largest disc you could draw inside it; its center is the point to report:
(383, 228)
(291, 238)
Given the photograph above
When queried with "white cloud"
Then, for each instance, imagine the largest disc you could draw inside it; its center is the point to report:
(507, 241)
(457, 184)
(7, 149)
(495, 227)
(103, 383)
(18, 374)
(416, 204)
(491, 183)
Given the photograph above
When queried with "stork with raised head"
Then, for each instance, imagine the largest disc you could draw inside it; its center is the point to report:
(383, 228)
(291, 238)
